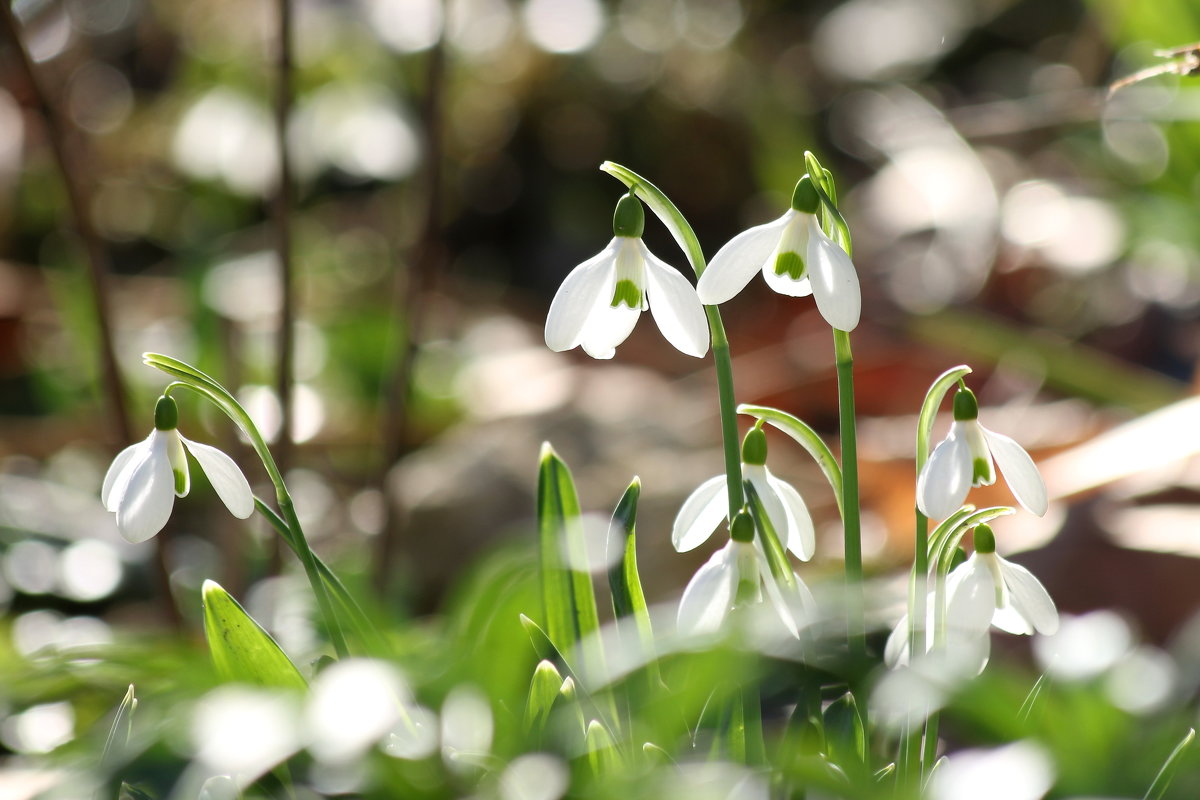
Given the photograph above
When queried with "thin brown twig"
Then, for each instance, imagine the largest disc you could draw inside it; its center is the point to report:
(428, 255)
(58, 132)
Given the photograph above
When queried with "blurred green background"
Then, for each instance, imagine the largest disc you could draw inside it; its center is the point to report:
(1006, 212)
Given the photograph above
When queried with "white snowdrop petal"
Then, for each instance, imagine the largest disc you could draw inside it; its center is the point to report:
(896, 650)
(118, 473)
(709, 594)
(970, 598)
(1029, 598)
(760, 479)
(783, 284)
(606, 327)
(834, 280)
(1019, 471)
(577, 297)
(226, 479)
(145, 505)
(701, 513)
(735, 264)
(946, 478)
(1009, 620)
(675, 307)
(775, 595)
(801, 537)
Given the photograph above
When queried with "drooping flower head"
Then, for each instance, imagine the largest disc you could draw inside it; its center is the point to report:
(984, 591)
(795, 257)
(704, 509)
(968, 457)
(735, 576)
(600, 300)
(145, 478)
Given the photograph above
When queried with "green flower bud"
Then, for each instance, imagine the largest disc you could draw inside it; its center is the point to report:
(805, 197)
(742, 529)
(166, 414)
(629, 219)
(754, 447)
(985, 540)
(966, 407)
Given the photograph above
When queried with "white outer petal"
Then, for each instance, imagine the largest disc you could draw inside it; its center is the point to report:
(606, 327)
(144, 505)
(834, 280)
(775, 595)
(899, 645)
(1029, 598)
(970, 598)
(675, 306)
(700, 514)
(709, 594)
(735, 264)
(576, 298)
(760, 479)
(1018, 470)
(119, 471)
(946, 478)
(226, 479)
(801, 537)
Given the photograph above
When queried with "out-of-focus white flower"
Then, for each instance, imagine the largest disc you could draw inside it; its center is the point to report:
(985, 590)
(735, 576)
(145, 478)
(707, 506)
(965, 459)
(1019, 771)
(795, 257)
(600, 301)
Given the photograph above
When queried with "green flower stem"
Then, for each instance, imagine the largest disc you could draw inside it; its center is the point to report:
(685, 237)
(855, 614)
(192, 378)
(359, 617)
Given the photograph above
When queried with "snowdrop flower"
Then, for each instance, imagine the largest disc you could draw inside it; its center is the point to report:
(965, 459)
(600, 301)
(735, 576)
(795, 257)
(144, 479)
(707, 506)
(984, 591)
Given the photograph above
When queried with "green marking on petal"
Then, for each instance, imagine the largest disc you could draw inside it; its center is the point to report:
(627, 292)
(181, 481)
(982, 473)
(790, 264)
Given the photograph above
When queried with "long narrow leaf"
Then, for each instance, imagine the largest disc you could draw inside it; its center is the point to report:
(544, 690)
(241, 649)
(776, 560)
(1167, 772)
(629, 601)
(556, 504)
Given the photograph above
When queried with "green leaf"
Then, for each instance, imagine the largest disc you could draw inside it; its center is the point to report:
(241, 650)
(776, 560)
(118, 735)
(601, 750)
(628, 599)
(567, 594)
(845, 736)
(130, 792)
(544, 689)
(806, 437)
(1163, 779)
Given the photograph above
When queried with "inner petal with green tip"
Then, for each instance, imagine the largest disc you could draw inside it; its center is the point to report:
(628, 293)
(789, 264)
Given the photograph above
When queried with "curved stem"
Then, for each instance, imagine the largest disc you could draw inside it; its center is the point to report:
(192, 378)
(685, 237)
